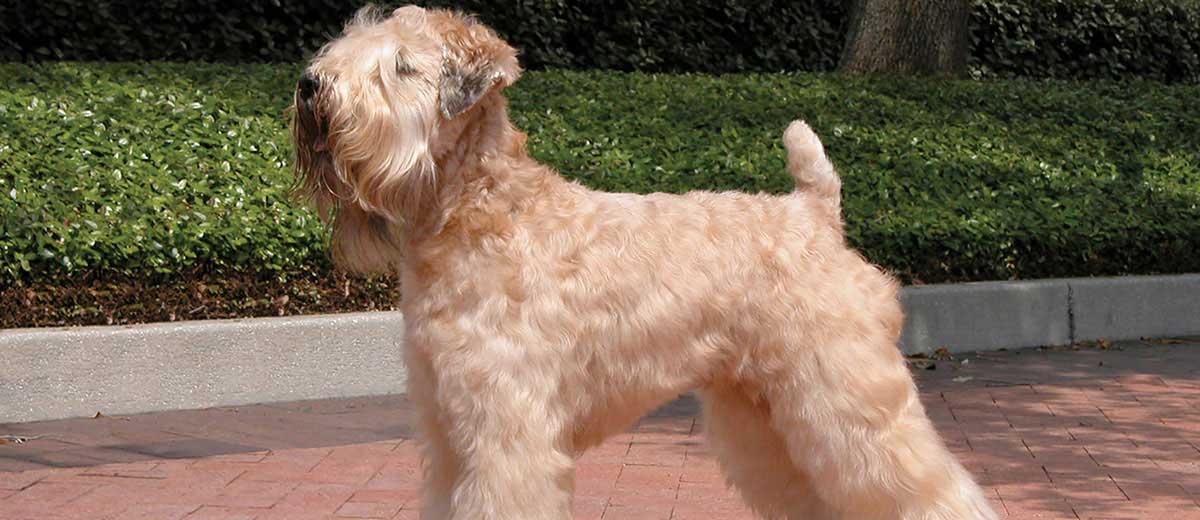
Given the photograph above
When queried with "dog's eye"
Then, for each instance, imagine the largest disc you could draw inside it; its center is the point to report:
(402, 66)
(404, 69)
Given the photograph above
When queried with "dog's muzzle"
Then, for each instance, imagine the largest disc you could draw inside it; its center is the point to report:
(306, 103)
(308, 86)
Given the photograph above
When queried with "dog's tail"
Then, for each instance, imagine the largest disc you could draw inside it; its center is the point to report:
(807, 163)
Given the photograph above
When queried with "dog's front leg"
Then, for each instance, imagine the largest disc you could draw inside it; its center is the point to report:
(494, 437)
(441, 465)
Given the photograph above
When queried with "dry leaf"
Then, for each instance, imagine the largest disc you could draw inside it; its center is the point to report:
(17, 439)
(101, 416)
(922, 363)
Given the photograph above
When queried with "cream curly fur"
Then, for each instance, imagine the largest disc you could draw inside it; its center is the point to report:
(544, 316)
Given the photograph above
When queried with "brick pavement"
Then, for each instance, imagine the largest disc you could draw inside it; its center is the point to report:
(1110, 434)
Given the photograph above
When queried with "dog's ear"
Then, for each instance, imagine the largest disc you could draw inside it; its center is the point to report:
(475, 62)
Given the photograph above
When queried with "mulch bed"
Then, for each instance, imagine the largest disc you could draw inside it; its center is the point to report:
(112, 300)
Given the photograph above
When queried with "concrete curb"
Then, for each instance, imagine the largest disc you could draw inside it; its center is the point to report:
(986, 315)
(993, 315)
(1127, 308)
(72, 372)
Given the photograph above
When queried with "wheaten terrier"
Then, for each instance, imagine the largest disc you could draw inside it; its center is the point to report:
(543, 317)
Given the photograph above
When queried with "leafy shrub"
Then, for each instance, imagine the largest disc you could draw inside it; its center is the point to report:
(1087, 39)
(1112, 39)
(167, 169)
(676, 35)
(134, 168)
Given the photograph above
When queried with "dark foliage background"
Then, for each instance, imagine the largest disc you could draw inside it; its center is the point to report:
(1113, 39)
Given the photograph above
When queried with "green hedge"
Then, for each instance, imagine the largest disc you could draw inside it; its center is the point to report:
(1115, 39)
(1087, 39)
(678, 35)
(165, 169)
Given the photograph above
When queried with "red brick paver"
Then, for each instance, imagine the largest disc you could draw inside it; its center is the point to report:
(1089, 434)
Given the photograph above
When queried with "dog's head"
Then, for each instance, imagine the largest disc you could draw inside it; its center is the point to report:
(367, 115)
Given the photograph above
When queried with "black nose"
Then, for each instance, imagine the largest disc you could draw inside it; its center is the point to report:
(308, 85)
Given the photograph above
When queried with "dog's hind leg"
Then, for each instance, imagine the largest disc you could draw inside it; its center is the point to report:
(754, 458)
(853, 421)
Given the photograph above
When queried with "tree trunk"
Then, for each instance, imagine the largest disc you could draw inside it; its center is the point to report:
(912, 37)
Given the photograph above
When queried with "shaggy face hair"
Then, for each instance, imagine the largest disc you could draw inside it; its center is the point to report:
(543, 317)
(366, 113)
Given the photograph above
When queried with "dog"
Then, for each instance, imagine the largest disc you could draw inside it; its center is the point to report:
(543, 317)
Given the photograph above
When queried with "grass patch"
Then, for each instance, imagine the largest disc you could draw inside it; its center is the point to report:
(168, 172)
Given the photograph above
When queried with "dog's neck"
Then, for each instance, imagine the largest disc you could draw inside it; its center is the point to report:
(483, 169)
(465, 142)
